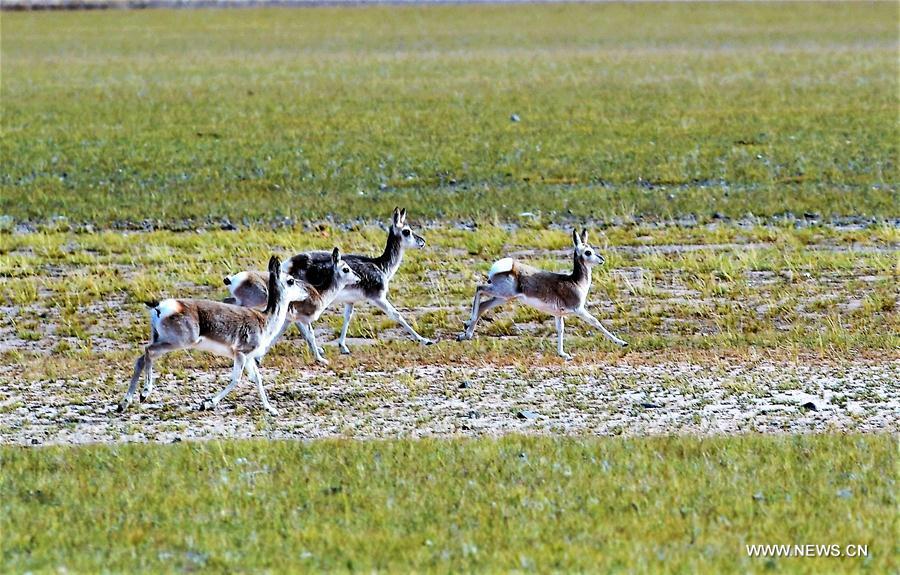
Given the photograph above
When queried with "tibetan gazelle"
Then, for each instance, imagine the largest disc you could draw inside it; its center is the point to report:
(556, 294)
(249, 289)
(241, 333)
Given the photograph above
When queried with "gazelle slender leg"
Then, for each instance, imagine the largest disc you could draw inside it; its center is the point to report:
(560, 326)
(484, 306)
(384, 305)
(490, 303)
(236, 371)
(253, 373)
(348, 313)
(132, 385)
(476, 304)
(595, 323)
(154, 351)
(151, 352)
(310, 335)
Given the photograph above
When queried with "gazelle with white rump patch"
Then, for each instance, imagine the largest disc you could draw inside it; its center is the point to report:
(240, 333)
(375, 273)
(249, 289)
(556, 294)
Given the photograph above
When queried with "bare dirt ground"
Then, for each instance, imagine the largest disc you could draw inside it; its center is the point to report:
(628, 396)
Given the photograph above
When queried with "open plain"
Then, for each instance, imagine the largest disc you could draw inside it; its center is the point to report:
(735, 163)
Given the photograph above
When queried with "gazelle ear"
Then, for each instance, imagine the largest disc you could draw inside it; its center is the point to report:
(335, 256)
(396, 216)
(274, 265)
(576, 241)
(403, 215)
(584, 239)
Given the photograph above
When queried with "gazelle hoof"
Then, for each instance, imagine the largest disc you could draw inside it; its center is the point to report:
(207, 405)
(565, 356)
(258, 361)
(272, 411)
(143, 397)
(623, 344)
(123, 405)
(463, 337)
(345, 350)
(322, 360)
(427, 341)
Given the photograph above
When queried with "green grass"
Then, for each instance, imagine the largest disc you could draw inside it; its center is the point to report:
(518, 503)
(625, 109)
(821, 290)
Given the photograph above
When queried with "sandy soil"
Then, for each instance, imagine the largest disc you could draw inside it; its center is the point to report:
(623, 397)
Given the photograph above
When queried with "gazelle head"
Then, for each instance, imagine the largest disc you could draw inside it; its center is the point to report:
(282, 287)
(343, 273)
(399, 228)
(584, 251)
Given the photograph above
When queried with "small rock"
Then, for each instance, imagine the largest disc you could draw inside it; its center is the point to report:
(35, 441)
(810, 406)
(473, 415)
(465, 385)
(649, 405)
(525, 414)
(515, 118)
(845, 493)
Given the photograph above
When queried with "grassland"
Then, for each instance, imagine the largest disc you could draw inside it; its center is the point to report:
(624, 109)
(682, 134)
(803, 288)
(520, 504)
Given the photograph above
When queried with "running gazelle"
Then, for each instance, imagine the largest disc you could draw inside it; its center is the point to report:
(557, 294)
(249, 289)
(241, 333)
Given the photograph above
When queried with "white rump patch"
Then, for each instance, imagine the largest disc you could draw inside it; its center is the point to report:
(165, 308)
(236, 280)
(501, 267)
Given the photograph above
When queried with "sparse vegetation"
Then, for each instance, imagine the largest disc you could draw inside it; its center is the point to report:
(736, 163)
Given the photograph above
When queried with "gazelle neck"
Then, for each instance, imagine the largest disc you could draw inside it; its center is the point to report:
(393, 253)
(581, 272)
(276, 307)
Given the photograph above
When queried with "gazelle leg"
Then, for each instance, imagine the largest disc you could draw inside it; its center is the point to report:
(310, 335)
(151, 352)
(132, 385)
(348, 313)
(595, 323)
(560, 326)
(154, 351)
(384, 305)
(236, 371)
(253, 372)
(476, 306)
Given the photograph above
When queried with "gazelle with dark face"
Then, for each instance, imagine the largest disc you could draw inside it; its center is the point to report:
(249, 289)
(241, 333)
(375, 274)
(559, 295)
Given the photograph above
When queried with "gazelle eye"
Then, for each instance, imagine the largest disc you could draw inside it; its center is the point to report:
(406, 233)
(588, 253)
(290, 281)
(346, 270)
